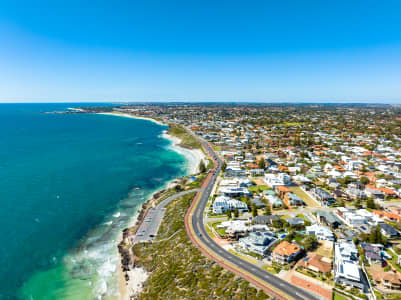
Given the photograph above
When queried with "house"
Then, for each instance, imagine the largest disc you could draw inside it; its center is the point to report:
(285, 178)
(286, 252)
(346, 265)
(256, 172)
(387, 216)
(349, 217)
(274, 201)
(263, 220)
(323, 196)
(354, 193)
(389, 280)
(321, 232)
(230, 191)
(272, 180)
(356, 218)
(316, 263)
(234, 226)
(375, 194)
(281, 190)
(356, 185)
(222, 203)
(258, 202)
(292, 200)
(339, 194)
(235, 172)
(296, 221)
(373, 252)
(257, 242)
(327, 218)
(364, 228)
(388, 231)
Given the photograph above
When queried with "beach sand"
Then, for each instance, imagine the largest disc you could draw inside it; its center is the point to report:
(132, 117)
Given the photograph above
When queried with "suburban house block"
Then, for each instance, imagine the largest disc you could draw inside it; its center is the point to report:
(286, 252)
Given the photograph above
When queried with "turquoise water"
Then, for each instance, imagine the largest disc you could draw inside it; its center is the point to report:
(68, 185)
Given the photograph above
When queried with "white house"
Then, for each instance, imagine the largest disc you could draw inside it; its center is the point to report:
(346, 265)
(321, 232)
(220, 205)
(272, 180)
(257, 242)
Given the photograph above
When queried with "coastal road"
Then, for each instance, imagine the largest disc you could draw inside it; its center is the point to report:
(197, 233)
(151, 222)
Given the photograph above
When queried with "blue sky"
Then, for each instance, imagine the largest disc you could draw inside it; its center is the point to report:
(262, 51)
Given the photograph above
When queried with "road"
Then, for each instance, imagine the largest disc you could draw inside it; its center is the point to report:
(286, 290)
(151, 223)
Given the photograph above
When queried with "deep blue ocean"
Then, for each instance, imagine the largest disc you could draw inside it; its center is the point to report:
(68, 184)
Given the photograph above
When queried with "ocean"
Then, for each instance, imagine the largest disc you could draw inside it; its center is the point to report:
(69, 183)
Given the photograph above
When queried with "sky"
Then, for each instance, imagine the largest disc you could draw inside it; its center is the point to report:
(253, 51)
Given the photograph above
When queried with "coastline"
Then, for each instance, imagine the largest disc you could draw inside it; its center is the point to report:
(131, 279)
(193, 156)
(131, 116)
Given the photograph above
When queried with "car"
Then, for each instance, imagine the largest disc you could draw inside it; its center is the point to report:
(200, 234)
(151, 235)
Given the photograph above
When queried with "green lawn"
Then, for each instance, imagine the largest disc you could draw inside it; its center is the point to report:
(220, 231)
(259, 188)
(394, 260)
(270, 269)
(339, 297)
(303, 196)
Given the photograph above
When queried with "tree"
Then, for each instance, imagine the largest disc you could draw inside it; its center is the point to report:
(278, 224)
(236, 213)
(268, 210)
(358, 203)
(202, 167)
(228, 213)
(254, 210)
(310, 242)
(375, 236)
(224, 166)
(364, 180)
(262, 163)
(370, 203)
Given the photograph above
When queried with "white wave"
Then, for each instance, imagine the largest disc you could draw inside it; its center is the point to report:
(107, 269)
(117, 214)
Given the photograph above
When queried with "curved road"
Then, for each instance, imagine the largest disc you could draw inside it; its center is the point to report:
(282, 289)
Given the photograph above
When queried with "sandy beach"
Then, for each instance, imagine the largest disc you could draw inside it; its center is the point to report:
(138, 276)
(132, 117)
(193, 156)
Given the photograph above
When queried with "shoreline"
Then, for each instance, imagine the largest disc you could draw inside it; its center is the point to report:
(131, 278)
(125, 115)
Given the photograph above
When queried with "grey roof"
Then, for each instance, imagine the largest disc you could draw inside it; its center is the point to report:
(262, 219)
(296, 221)
(388, 229)
(330, 218)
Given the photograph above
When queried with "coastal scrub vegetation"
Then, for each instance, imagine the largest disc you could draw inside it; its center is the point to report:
(178, 270)
(187, 140)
